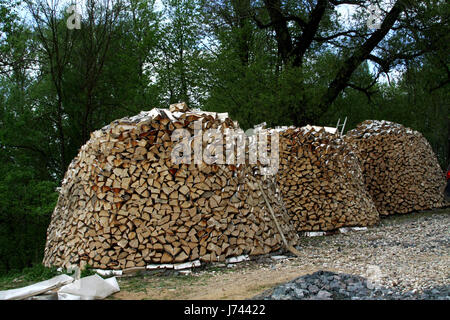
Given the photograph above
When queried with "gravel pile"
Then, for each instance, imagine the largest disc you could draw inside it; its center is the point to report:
(325, 285)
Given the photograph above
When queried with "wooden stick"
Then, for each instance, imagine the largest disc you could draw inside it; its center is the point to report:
(287, 246)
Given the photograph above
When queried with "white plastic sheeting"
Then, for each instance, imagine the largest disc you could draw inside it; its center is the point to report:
(345, 230)
(314, 233)
(238, 259)
(187, 265)
(325, 233)
(36, 289)
(180, 266)
(89, 288)
(106, 273)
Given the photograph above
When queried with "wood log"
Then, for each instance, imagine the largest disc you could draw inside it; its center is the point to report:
(401, 171)
(320, 181)
(123, 202)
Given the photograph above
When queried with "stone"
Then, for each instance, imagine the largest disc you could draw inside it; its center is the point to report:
(324, 295)
(313, 289)
(299, 293)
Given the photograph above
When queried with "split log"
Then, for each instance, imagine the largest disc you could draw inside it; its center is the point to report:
(320, 181)
(124, 204)
(401, 171)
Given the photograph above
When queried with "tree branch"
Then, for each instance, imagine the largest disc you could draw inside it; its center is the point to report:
(337, 3)
(279, 23)
(337, 35)
(362, 53)
(366, 91)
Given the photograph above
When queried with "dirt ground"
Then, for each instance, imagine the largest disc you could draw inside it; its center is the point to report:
(239, 284)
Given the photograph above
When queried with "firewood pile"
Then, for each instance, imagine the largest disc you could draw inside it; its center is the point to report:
(124, 204)
(401, 171)
(321, 182)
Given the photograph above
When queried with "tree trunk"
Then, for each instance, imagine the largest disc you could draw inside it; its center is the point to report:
(309, 32)
(349, 66)
(241, 9)
(282, 35)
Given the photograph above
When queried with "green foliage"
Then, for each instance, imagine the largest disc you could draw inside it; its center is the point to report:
(26, 204)
(26, 276)
(38, 273)
(88, 271)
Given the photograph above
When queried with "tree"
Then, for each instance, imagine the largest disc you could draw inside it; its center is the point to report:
(55, 52)
(179, 66)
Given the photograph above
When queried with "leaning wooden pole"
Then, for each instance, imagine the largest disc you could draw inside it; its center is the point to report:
(274, 218)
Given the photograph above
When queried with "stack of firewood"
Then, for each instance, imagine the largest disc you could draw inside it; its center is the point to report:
(321, 182)
(123, 202)
(400, 169)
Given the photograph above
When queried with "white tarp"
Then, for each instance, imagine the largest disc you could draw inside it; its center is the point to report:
(191, 264)
(315, 233)
(159, 266)
(107, 273)
(348, 229)
(238, 259)
(89, 288)
(35, 289)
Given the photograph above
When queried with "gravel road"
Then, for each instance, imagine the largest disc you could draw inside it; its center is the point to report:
(405, 257)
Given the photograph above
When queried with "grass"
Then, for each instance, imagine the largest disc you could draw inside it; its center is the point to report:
(313, 241)
(137, 283)
(26, 277)
(89, 271)
(34, 274)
